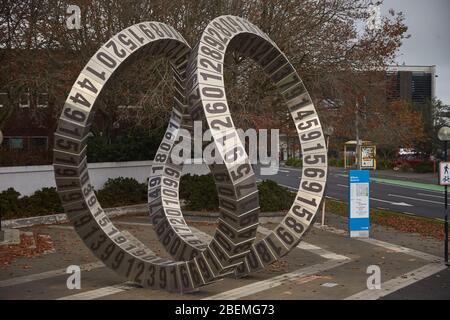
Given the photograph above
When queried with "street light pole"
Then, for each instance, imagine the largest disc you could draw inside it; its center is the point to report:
(444, 136)
(446, 212)
(1, 141)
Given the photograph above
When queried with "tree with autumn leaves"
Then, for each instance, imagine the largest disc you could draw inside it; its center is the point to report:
(340, 59)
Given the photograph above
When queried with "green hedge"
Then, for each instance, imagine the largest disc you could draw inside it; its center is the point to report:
(273, 198)
(424, 167)
(384, 164)
(120, 192)
(116, 192)
(294, 162)
(335, 162)
(135, 146)
(198, 193)
(43, 202)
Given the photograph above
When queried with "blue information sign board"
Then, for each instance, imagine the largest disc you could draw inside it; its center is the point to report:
(358, 203)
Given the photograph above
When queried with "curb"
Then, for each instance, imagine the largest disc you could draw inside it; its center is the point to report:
(9, 237)
(111, 213)
(62, 217)
(382, 176)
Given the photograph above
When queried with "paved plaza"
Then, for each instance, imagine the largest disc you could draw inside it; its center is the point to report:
(326, 265)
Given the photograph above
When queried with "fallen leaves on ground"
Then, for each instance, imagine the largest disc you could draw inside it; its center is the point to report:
(30, 246)
(278, 266)
(401, 222)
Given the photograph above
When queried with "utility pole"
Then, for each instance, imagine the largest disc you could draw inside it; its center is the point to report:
(358, 146)
(1, 234)
(446, 212)
(444, 136)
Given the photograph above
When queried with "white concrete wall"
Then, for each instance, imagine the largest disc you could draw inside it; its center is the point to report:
(28, 179)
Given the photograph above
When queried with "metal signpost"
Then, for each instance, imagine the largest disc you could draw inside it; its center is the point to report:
(359, 208)
(444, 180)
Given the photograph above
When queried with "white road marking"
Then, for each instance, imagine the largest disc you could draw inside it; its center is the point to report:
(284, 171)
(46, 275)
(399, 282)
(311, 248)
(277, 281)
(329, 284)
(256, 287)
(430, 195)
(411, 198)
(289, 187)
(102, 292)
(403, 204)
(64, 227)
(126, 223)
(389, 246)
(342, 185)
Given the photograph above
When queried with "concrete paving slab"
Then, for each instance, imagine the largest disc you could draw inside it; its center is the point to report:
(9, 237)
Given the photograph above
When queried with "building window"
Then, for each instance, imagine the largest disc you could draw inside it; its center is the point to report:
(24, 100)
(13, 143)
(38, 142)
(42, 100)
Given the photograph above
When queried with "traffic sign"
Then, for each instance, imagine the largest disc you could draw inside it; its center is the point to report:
(359, 208)
(444, 173)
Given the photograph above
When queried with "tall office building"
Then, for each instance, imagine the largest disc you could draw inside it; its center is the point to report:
(415, 84)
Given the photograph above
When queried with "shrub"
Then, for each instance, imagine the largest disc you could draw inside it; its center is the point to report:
(405, 167)
(122, 192)
(273, 197)
(335, 162)
(424, 167)
(42, 202)
(383, 164)
(199, 192)
(137, 145)
(9, 202)
(294, 162)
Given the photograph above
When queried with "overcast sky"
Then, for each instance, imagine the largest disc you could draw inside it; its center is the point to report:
(429, 26)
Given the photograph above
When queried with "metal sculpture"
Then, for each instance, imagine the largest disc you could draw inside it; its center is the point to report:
(200, 95)
(235, 181)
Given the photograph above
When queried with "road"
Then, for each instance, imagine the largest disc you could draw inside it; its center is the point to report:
(399, 196)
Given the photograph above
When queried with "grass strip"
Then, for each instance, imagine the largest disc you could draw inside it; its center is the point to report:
(425, 227)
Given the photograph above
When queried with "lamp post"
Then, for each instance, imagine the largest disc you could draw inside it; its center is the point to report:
(444, 135)
(1, 233)
(328, 131)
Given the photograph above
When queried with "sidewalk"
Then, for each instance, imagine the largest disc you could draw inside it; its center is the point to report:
(326, 265)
